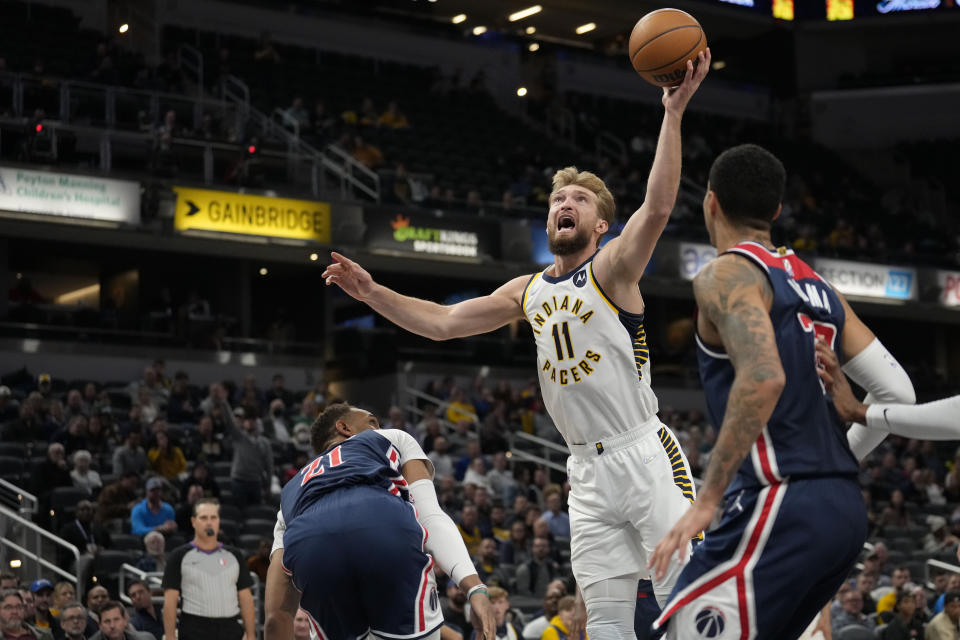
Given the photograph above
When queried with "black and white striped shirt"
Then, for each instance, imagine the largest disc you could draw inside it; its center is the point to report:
(208, 581)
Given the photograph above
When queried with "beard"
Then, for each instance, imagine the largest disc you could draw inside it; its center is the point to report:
(568, 245)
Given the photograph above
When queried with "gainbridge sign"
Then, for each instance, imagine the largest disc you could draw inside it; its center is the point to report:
(418, 232)
(206, 210)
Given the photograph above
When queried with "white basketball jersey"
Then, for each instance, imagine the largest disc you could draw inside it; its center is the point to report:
(592, 357)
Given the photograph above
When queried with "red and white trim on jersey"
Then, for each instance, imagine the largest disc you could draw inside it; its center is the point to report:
(425, 577)
(783, 259)
(733, 580)
(765, 459)
(315, 625)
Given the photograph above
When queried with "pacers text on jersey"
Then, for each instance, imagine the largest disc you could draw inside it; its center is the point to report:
(555, 316)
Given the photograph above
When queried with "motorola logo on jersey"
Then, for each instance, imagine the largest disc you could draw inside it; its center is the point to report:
(710, 623)
(580, 278)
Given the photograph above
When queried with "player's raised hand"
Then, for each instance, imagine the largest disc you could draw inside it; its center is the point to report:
(696, 519)
(482, 617)
(675, 99)
(836, 384)
(349, 276)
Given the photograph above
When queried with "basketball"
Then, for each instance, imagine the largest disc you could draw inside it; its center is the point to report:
(661, 43)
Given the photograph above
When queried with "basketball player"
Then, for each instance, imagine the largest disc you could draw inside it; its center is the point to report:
(935, 420)
(794, 520)
(629, 479)
(351, 550)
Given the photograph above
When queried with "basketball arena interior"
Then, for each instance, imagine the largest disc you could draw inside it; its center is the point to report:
(175, 174)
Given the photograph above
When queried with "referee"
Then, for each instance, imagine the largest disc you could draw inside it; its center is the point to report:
(213, 582)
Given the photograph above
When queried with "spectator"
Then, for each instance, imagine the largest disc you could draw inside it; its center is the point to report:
(299, 462)
(29, 602)
(130, 456)
(297, 112)
(899, 578)
(184, 510)
(498, 521)
(321, 121)
(146, 616)
(74, 436)
(100, 433)
(9, 407)
(944, 625)
(50, 474)
(301, 626)
(476, 473)
(8, 581)
(506, 630)
(393, 117)
(73, 621)
(113, 624)
(181, 404)
(209, 444)
(259, 562)
(279, 390)
(514, 551)
(276, 426)
(442, 461)
(97, 597)
(42, 618)
(150, 384)
(29, 427)
(75, 406)
(154, 553)
(534, 575)
(213, 582)
(896, 513)
(500, 478)
(166, 458)
(12, 623)
(453, 609)
(116, 501)
(251, 470)
(535, 628)
(472, 453)
(866, 582)
(459, 408)
(558, 520)
(938, 539)
(82, 533)
(469, 530)
(63, 592)
(367, 154)
(488, 564)
(851, 613)
(904, 625)
(152, 513)
(200, 475)
(560, 624)
(83, 476)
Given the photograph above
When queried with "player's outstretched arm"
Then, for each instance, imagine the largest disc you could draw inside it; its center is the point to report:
(735, 297)
(628, 255)
(870, 365)
(931, 421)
(429, 319)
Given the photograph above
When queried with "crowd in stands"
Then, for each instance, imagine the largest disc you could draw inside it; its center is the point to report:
(118, 466)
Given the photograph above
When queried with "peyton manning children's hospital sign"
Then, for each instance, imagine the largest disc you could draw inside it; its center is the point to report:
(69, 195)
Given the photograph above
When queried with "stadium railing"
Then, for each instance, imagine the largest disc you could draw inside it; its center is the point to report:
(13, 525)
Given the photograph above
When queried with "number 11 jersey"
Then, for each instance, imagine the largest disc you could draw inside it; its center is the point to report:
(592, 357)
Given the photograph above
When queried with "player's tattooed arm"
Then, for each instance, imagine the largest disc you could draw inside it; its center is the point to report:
(735, 297)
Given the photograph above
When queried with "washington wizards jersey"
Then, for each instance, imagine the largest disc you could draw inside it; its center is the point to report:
(592, 356)
(368, 458)
(803, 437)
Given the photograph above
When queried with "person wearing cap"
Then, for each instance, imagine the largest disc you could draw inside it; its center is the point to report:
(45, 385)
(944, 625)
(939, 538)
(9, 407)
(152, 513)
(13, 625)
(42, 590)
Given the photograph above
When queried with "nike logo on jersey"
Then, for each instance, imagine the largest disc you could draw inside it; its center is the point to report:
(649, 459)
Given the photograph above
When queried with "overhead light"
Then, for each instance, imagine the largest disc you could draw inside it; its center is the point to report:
(460, 17)
(313, 256)
(15, 563)
(525, 13)
(531, 30)
(479, 30)
(534, 46)
(124, 28)
(586, 28)
(521, 91)
(263, 271)
(719, 64)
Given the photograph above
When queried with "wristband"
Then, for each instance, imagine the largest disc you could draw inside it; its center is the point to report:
(476, 588)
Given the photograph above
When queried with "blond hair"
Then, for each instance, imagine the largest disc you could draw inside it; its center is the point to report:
(566, 602)
(497, 593)
(606, 207)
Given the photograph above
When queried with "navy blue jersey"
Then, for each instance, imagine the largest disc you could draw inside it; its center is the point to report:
(803, 437)
(368, 458)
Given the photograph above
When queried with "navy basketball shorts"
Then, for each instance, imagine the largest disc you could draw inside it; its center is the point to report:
(357, 558)
(778, 556)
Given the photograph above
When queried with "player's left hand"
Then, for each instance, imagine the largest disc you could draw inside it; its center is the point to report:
(696, 519)
(675, 99)
(482, 617)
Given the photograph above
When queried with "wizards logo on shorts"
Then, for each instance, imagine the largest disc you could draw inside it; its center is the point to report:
(580, 278)
(710, 623)
(434, 599)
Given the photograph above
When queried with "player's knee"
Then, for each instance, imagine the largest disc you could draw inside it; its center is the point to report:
(610, 621)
